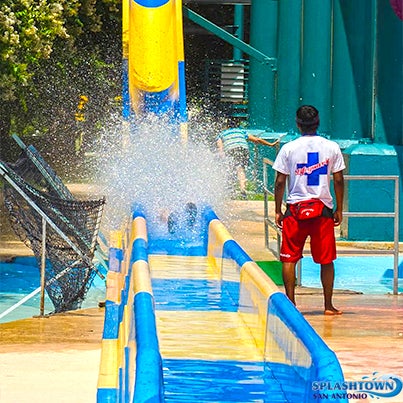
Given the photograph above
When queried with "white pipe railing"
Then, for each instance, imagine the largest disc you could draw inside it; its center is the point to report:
(45, 220)
(269, 222)
(40, 289)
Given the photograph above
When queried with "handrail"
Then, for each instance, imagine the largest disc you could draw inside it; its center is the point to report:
(229, 38)
(32, 294)
(7, 177)
(269, 223)
(45, 221)
(63, 192)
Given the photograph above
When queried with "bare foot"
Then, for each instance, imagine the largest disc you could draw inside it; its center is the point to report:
(333, 311)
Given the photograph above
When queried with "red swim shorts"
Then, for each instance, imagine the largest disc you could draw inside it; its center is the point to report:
(295, 233)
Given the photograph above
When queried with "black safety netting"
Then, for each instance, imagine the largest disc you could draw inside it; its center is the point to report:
(71, 229)
(35, 170)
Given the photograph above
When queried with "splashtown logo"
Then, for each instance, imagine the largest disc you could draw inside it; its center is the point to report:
(380, 386)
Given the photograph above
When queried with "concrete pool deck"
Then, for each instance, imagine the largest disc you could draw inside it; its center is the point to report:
(56, 359)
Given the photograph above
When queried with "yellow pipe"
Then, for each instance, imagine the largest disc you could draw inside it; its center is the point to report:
(109, 367)
(139, 229)
(125, 28)
(263, 283)
(115, 239)
(218, 235)
(152, 63)
(142, 279)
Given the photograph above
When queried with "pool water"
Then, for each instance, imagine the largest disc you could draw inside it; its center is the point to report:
(366, 274)
(21, 277)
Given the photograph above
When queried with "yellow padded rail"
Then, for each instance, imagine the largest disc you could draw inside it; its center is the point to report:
(109, 366)
(142, 279)
(139, 229)
(217, 236)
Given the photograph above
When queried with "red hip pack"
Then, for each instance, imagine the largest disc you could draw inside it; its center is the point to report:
(307, 209)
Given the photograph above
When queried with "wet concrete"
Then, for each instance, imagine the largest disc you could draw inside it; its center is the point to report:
(81, 329)
(51, 359)
(367, 338)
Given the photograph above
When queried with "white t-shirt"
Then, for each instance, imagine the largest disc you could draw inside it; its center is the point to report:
(309, 161)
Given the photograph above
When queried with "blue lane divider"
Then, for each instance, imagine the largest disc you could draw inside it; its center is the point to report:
(149, 378)
(325, 365)
(232, 250)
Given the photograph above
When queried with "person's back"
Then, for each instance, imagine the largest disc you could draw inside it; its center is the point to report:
(233, 138)
(309, 162)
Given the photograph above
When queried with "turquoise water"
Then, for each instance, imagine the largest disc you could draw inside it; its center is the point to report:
(366, 274)
(21, 277)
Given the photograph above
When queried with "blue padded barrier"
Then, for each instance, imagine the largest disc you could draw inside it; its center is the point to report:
(232, 250)
(115, 259)
(325, 366)
(107, 395)
(111, 321)
(139, 250)
(149, 372)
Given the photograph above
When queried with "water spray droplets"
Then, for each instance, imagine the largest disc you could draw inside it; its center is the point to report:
(148, 164)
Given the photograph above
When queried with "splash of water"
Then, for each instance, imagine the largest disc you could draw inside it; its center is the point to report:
(149, 165)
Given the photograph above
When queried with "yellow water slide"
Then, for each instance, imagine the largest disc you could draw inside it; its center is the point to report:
(154, 55)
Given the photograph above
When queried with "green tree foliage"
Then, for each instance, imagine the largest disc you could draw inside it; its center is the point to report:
(51, 53)
(29, 30)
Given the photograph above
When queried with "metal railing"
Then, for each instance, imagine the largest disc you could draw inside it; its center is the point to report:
(270, 223)
(46, 221)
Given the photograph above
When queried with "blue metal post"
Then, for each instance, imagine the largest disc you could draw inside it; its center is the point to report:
(289, 63)
(263, 36)
(352, 90)
(239, 33)
(389, 76)
(316, 58)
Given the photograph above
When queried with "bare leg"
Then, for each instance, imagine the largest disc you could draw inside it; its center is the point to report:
(241, 179)
(289, 280)
(327, 279)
